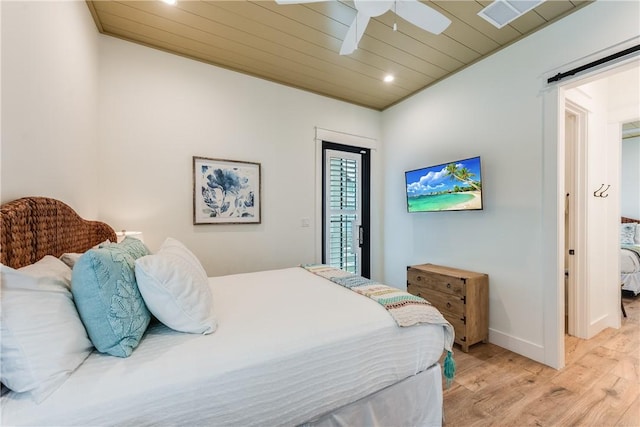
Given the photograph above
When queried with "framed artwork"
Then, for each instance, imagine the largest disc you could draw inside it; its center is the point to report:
(225, 191)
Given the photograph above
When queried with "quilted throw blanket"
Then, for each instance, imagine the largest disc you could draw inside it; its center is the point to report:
(406, 309)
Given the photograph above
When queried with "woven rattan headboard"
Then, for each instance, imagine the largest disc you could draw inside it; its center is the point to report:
(625, 220)
(33, 227)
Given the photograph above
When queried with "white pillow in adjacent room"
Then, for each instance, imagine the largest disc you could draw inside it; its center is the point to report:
(175, 287)
(43, 338)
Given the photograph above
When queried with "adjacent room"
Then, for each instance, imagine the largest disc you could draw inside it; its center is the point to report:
(250, 164)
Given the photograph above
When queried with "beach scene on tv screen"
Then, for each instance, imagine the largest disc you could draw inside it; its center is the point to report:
(447, 187)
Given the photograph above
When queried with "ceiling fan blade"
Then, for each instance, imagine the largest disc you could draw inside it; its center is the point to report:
(373, 8)
(354, 34)
(297, 1)
(422, 16)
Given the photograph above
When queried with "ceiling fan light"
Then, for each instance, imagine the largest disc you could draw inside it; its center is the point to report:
(389, 78)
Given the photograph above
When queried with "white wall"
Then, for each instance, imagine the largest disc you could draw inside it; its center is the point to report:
(630, 186)
(493, 109)
(49, 91)
(110, 128)
(158, 110)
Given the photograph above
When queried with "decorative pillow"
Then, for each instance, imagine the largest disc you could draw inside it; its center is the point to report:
(107, 297)
(627, 233)
(175, 287)
(43, 339)
(637, 238)
(135, 247)
(70, 258)
(49, 266)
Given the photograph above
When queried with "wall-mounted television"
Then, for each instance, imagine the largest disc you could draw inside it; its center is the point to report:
(452, 186)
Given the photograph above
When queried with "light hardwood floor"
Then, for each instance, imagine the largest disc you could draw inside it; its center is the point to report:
(599, 387)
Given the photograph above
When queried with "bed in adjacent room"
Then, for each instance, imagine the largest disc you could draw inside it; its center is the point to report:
(280, 347)
(630, 255)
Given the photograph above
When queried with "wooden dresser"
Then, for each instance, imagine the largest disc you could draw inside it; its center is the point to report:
(461, 296)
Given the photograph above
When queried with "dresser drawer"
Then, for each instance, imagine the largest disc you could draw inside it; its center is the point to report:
(458, 326)
(461, 296)
(442, 301)
(437, 282)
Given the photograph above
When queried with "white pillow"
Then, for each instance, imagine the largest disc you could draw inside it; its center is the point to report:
(43, 338)
(175, 288)
(70, 258)
(637, 238)
(49, 266)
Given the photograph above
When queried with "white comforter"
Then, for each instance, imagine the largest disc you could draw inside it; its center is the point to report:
(629, 261)
(630, 270)
(290, 346)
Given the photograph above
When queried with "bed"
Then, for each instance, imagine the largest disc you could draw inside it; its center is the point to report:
(286, 347)
(630, 255)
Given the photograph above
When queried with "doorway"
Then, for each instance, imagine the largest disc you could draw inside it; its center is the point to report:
(346, 208)
(594, 109)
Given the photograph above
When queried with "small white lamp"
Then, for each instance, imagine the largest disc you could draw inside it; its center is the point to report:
(135, 234)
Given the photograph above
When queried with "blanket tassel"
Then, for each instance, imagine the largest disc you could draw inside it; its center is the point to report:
(449, 368)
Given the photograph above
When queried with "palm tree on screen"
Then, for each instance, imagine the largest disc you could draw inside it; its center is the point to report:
(461, 174)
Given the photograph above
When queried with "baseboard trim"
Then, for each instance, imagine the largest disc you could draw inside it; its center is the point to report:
(523, 347)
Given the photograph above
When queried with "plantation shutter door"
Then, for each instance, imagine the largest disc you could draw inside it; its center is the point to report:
(343, 215)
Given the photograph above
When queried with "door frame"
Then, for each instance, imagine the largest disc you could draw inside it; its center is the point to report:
(355, 140)
(578, 295)
(364, 199)
(552, 274)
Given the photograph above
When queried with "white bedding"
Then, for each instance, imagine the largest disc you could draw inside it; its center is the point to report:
(290, 346)
(630, 270)
(629, 262)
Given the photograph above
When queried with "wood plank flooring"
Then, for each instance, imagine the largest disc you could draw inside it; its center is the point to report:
(599, 387)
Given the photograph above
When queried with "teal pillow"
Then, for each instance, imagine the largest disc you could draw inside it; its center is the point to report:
(131, 245)
(106, 294)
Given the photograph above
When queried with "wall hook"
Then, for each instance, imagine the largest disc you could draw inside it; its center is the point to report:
(600, 192)
(595, 193)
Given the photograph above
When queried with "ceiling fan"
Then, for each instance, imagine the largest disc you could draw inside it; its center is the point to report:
(413, 11)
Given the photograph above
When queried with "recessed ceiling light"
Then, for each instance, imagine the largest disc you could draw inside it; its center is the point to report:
(171, 2)
(388, 78)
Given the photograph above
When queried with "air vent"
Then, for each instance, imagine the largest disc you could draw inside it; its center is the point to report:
(501, 12)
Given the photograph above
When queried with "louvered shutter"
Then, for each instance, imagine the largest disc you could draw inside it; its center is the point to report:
(343, 211)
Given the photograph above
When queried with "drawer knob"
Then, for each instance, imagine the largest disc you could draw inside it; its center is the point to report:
(419, 278)
(448, 305)
(448, 285)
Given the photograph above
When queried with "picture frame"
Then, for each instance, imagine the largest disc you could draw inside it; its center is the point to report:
(226, 191)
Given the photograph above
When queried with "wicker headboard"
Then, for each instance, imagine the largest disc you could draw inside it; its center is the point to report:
(624, 220)
(33, 227)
